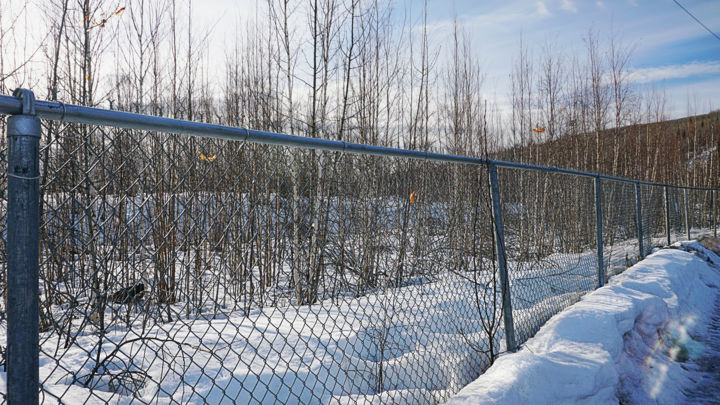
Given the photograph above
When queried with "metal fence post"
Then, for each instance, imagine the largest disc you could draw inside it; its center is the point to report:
(714, 213)
(598, 214)
(638, 207)
(687, 213)
(667, 214)
(23, 214)
(501, 258)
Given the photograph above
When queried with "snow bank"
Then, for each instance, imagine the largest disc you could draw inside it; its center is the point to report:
(379, 348)
(625, 342)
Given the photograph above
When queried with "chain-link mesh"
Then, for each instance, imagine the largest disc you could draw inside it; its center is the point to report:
(676, 206)
(620, 235)
(652, 202)
(700, 210)
(189, 270)
(549, 238)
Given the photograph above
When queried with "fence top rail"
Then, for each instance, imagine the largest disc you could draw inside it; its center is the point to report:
(58, 111)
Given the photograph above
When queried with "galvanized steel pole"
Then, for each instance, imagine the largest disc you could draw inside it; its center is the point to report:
(714, 213)
(599, 228)
(502, 258)
(667, 214)
(638, 208)
(687, 213)
(23, 133)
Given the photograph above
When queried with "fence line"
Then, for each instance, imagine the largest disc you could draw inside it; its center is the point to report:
(58, 111)
(286, 242)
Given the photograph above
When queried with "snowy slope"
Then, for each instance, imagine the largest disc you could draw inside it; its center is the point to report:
(418, 343)
(628, 342)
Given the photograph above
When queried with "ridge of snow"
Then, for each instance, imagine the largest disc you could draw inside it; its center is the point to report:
(625, 341)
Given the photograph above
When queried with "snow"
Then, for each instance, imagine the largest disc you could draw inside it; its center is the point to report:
(419, 343)
(630, 341)
(387, 346)
(701, 159)
(328, 353)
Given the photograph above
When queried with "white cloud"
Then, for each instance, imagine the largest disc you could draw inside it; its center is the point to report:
(506, 18)
(569, 5)
(658, 73)
(695, 98)
(542, 10)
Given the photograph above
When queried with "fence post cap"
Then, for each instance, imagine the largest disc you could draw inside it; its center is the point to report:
(27, 100)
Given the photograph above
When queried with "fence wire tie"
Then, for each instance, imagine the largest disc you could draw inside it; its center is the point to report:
(24, 178)
(62, 117)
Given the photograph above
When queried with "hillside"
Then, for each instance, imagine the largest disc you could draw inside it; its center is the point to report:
(682, 151)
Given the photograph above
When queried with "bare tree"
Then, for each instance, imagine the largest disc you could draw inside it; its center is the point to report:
(622, 96)
(599, 97)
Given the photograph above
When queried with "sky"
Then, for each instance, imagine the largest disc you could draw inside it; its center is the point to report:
(671, 51)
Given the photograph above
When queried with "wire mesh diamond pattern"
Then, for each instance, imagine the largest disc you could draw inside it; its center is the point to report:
(178, 269)
(193, 270)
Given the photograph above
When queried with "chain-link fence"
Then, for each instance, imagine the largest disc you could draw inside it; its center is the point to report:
(653, 221)
(178, 269)
(550, 243)
(619, 212)
(700, 212)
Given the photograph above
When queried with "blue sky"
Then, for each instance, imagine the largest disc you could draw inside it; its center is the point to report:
(662, 33)
(671, 50)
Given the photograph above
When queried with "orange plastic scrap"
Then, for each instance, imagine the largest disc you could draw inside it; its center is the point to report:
(206, 158)
(412, 197)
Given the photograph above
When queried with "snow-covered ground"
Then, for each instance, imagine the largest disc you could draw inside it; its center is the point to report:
(419, 343)
(637, 340)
